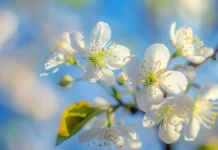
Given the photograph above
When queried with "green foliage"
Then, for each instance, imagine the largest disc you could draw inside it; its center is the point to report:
(208, 147)
(74, 118)
(75, 3)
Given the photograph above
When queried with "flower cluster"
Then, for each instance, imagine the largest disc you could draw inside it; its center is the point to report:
(159, 92)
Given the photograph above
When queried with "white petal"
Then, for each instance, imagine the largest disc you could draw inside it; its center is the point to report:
(209, 92)
(195, 59)
(91, 73)
(66, 37)
(116, 55)
(192, 128)
(148, 97)
(90, 134)
(168, 134)
(188, 50)
(132, 68)
(95, 123)
(184, 103)
(150, 120)
(126, 128)
(65, 45)
(172, 33)
(131, 145)
(56, 61)
(76, 41)
(184, 36)
(106, 76)
(208, 52)
(101, 35)
(48, 73)
(126, 131)
(173, 82)
(102, 103)
(178, 127)
(156, 57)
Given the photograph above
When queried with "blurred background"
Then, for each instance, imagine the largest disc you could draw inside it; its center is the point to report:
(31, 106)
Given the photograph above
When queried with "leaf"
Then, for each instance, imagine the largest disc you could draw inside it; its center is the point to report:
(74, 118)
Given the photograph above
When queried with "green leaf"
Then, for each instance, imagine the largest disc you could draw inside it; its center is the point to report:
(74, 118)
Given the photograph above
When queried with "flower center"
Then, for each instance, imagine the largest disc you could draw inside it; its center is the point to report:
(205, 112)
(166, 111)
(97, 58)
(152, 78)
(201, 106)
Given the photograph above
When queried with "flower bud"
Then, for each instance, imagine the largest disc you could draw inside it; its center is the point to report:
(66, 81)
(121, 78)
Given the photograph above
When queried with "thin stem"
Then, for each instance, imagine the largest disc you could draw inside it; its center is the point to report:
(79, 65)
(168, 146)
(175, 55)
(108, 119)
(187, 88)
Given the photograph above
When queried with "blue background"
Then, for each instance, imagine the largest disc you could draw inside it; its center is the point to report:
(31, 106)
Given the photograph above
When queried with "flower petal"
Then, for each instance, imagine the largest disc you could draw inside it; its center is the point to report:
(173, 82)
(208, 52)
(192, 128)
(48, 73)
(168, 133)
(130, 144)
(91, 73)
(156, 57)
(65, 45)
(116, 55)
(148, 97)
(195, 59)
(106, 76)
(90, 134)
(132, 68)
(56, 61)
(184, 103)
(184, 36)
(172, 33)
(126, 128)
(101, 35)
(150, 120)
(102, 103)
(209, 92)
(76, 41)
(95, 123)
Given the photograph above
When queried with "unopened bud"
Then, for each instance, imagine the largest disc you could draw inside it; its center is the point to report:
(121, 78)
(66, 81)
(71, 60)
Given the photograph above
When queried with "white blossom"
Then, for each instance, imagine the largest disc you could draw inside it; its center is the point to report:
(122, 78)
(103, 56)
(203, 111)
(61, 55)
(169, 117)
(152, 75)
(119, 137)
(188, 45)
(102, 103)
